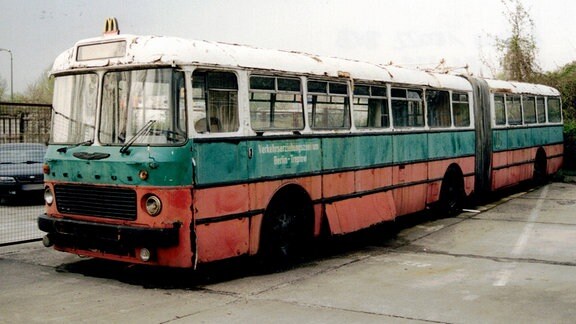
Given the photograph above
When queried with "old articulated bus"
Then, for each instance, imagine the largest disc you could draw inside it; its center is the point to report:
(174, 152)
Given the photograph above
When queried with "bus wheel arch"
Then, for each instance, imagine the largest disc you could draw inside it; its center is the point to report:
(287, 225)
(452, 191)
(540, 172)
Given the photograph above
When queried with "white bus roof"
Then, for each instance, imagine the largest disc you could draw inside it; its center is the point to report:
(147, 50)
(521, 88)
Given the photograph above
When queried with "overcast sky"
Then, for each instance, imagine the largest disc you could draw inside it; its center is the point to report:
(405, 32)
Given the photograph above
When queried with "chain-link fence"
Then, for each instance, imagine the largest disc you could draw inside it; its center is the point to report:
(24, 132)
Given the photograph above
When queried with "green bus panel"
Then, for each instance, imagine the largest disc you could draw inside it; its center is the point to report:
(166, 166)
(217, 162)
(339, 152)
(357, 151)
(451, 144)
(373, 150)
(410, 147)
(275, 158)
(556, 134)
(516, 138)
(225, 161)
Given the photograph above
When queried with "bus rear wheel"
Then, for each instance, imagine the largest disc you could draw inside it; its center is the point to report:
(452, 194)
(286, 228)
(540, 175)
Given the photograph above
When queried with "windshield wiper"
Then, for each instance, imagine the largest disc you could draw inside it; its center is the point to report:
(139, 133)
(65, 148)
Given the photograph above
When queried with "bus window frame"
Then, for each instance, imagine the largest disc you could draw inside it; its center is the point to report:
(310, 108)
(469, 108)
(559, 99)
(196, 115)
(494, 118)
(543, 107)
(370, 95)
(276, 91)
(513, 98)
(422, 101)
(427, 109)
(526, 98)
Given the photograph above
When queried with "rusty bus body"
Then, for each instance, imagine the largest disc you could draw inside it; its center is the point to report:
(174, 152)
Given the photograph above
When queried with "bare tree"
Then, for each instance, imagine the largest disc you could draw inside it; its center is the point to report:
(517, 53)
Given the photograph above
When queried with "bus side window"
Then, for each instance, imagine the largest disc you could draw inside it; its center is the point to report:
(499, 110)
(215, 101)
(438, 103)
(529, 108)
(407, 108)
(329, 105)
(541, 110)
(370, 107)
(554, 110)
(514, 110)
(275, 103)
(460, 109)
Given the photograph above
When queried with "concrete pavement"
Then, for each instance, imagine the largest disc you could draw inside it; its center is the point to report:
(513, 261)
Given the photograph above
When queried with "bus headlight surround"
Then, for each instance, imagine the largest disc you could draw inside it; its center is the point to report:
(153, 205)
(48, 196)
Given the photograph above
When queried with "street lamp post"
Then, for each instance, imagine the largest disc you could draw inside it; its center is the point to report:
(11, 73)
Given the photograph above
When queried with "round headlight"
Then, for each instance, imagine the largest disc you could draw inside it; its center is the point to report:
(48, 196)
(153, 205)
(145, 254)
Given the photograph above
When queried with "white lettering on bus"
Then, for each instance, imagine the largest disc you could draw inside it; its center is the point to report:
(273, 148)
(292, 159)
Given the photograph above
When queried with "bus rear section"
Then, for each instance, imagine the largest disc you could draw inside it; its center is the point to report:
(520, 133)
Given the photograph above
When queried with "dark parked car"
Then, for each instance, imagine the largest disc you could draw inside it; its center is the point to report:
(21, 170)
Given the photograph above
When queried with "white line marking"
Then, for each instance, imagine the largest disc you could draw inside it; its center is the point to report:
(506, 272)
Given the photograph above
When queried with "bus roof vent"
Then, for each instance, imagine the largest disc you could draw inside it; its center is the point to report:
(111, 27)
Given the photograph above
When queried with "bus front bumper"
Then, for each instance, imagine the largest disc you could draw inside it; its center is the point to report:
(88, 235)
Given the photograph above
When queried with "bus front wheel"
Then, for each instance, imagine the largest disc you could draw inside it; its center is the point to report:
(286, 228)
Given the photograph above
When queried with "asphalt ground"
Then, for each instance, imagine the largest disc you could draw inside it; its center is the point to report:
(510, 259)
(19, 221)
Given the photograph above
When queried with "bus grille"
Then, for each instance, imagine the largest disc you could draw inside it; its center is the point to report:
(108, 202)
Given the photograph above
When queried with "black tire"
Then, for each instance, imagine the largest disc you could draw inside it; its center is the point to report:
(452, 194)
(286, 228)
(540, 174)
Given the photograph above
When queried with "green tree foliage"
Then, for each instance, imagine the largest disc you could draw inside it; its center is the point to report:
(517, 58)
(564, 79)
(517, 53)
(40, 91)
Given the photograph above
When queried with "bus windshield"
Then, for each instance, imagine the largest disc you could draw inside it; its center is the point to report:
(130, 100)
(74, 108)
(136, 98)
